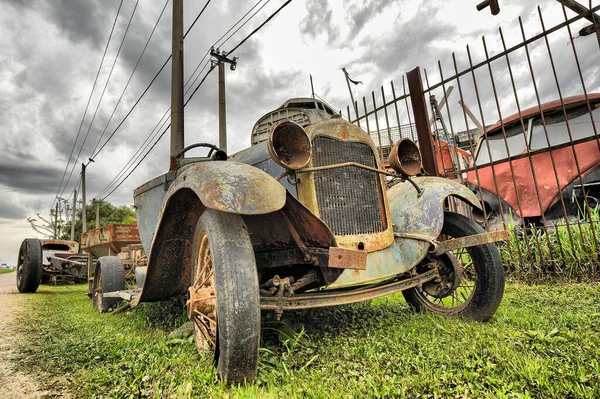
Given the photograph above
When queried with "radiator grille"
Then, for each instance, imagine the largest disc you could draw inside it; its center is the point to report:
(347, 197)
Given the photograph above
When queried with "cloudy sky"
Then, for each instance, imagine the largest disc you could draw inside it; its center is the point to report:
(51, 51)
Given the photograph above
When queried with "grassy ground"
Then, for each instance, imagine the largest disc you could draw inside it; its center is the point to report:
(543, 342)
(4, 271)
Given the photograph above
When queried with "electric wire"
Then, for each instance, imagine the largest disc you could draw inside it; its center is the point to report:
(216, 43)
(131, 76)
(194, 92)
(147, 88)
(112, 68)
(88, 103)
(136, 155)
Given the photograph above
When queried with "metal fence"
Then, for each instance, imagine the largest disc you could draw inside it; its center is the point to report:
(520, 128)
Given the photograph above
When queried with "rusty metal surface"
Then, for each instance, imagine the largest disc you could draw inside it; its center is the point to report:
(405, 157)
(71, 247)
(343, 258)
(231, 187)
(169, 263)
(289, 145)
(324, 298)
(470, 241)
(148, 199)
(339, 129)
(108, 240)
(419, 106)
(426, 215)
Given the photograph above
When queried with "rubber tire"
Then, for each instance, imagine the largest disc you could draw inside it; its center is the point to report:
(237, 295)
(489, 285)
(29, 267)
(109, 276)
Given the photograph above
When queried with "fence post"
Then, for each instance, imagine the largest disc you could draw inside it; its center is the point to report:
(419, 106)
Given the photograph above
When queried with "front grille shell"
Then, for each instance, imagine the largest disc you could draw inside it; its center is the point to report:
(349, 199)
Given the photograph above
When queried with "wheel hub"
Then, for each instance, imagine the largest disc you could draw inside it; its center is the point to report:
(450, 272)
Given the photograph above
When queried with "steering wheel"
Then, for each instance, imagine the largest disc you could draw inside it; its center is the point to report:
(192, 146)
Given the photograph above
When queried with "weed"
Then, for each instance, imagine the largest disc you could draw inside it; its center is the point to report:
(542, 342)
(568, 253)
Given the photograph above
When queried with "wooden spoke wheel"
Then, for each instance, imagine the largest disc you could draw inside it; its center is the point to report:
(223, 299)
(471, 280)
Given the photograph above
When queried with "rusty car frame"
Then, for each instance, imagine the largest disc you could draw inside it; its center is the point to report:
(302, 219)
(49, 261)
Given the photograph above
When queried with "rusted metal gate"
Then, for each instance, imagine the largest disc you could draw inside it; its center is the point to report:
(517, 120)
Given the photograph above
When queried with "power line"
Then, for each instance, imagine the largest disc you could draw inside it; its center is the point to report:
(147, 88)
(138, 164)
(88, 104)
(112, 68)
(215, 44)
(136, 155)
(131, 76)
(192, 95)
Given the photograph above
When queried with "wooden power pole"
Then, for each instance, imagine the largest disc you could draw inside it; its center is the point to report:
(221, 59)
(73, 212)
(83, 215)
(177, 132)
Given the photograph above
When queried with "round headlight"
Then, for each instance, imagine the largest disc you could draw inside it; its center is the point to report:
(405, 158)
(289, 145)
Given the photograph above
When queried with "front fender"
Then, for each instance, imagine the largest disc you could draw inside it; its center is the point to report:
(224, 186)
(424, 215)
(231, 187)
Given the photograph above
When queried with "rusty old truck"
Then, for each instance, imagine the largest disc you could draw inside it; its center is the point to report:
(302, 219)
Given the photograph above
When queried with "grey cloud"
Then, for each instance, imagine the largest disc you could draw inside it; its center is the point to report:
(29, 177)
(318, 19)
(361, 15)
(11, 211)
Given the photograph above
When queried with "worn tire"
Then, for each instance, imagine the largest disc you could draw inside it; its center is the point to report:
(236, 290)
(108, 277)
(487, 273)
(29, 267)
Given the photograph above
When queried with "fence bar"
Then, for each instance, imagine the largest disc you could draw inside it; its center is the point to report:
(419, 106)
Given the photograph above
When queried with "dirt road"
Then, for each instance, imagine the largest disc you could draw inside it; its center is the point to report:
(15, 384)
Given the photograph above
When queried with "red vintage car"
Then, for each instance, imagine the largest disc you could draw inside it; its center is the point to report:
(526, 175)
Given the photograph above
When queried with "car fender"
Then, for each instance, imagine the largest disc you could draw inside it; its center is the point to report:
(224, 186)
(423, 215)
(231, 187)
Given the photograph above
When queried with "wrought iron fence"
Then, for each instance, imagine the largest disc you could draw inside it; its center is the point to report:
(520, 129)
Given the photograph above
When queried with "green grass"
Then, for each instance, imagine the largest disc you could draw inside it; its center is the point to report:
(4, 271)
(543, 342)
(568, 253)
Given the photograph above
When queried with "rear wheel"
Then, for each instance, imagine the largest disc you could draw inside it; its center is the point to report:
(471, 282)
(223, 300)
(108, 277)
(29, 266)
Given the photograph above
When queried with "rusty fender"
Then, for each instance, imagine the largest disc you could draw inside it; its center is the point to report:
(424, 215)
(224, 186)
(231, 187)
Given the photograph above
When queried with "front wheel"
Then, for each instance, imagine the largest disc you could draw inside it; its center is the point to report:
(223, 299)
(471, 282)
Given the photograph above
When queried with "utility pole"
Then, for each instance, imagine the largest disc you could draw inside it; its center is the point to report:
(221, 59)
(83, 215)
(97, 202)
(55, 229)
(73, 211)
(177, 132)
